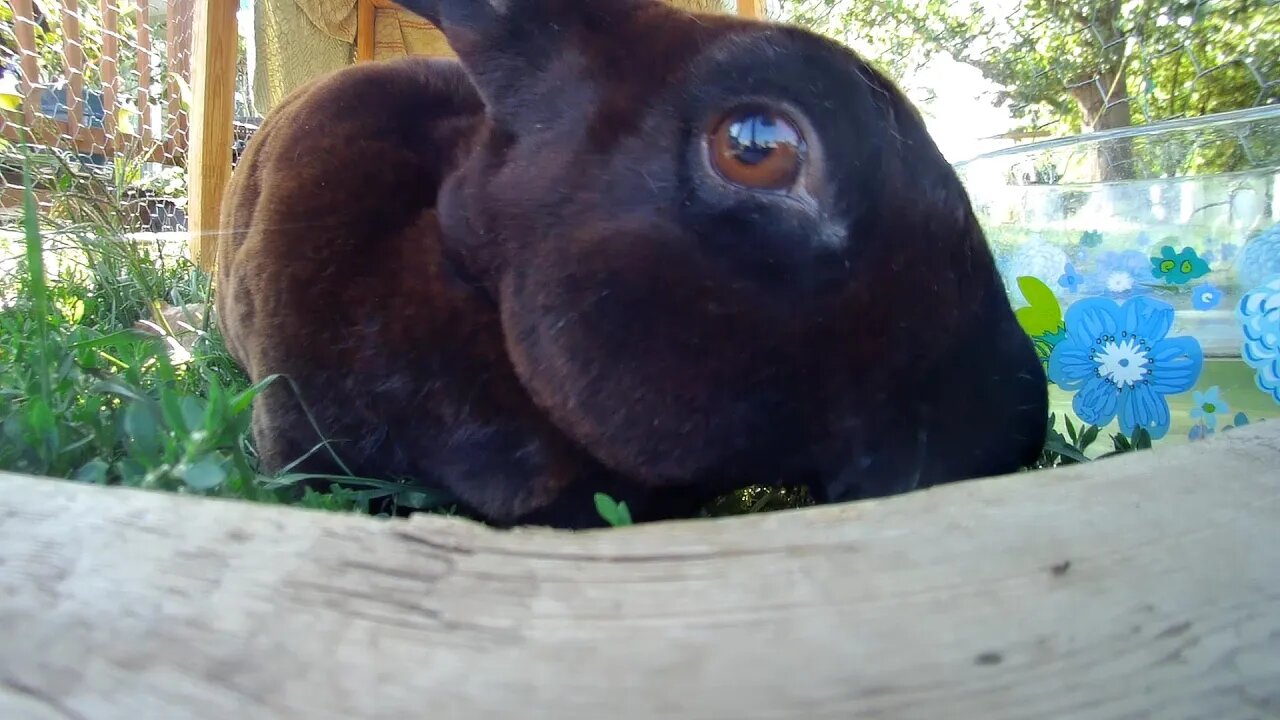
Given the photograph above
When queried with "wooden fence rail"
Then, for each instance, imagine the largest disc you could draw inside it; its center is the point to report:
(1146, 586)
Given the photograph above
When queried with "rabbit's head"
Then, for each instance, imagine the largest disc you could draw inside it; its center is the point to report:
(728, 247)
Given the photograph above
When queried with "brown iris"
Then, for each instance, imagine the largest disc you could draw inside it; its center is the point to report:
(758, 149)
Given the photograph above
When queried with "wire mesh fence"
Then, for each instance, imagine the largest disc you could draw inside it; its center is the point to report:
(95, 92)
(96, 101)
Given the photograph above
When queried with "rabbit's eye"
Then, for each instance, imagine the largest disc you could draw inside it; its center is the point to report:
(758, 149)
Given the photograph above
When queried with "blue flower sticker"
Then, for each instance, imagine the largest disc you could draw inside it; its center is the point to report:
(1207, 405)
(1036, 259)
(1178, 267)
(1119, 362)
(1228, 251)
(1091, 239)
(1071, 279)
(1120, 273)
(1259, 313)
(1205, 297)
(1260, 258)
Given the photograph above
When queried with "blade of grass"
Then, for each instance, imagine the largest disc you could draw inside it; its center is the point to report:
(35, 269)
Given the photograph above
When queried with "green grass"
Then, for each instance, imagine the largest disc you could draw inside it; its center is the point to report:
(86, 396)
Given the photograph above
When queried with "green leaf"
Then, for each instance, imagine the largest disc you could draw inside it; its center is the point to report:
(1121, 442)
(192, 412)
(1087, 437)
(244, 399)
(1044, 315)
(1071, 430)
(613, 512)
(94, 471)
(131, 472)
(1141, 439)
(204, 474)
(143, 431)
(1058, 445)
(624, 514)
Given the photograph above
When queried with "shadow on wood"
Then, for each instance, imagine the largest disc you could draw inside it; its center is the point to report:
(1142, 586)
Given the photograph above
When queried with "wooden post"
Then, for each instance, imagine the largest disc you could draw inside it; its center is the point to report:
(24, 27)
(144, 71)
(213, 86)
(73, 52)
(110, 71)
(751, 8)
(178, 61)
(366, 16)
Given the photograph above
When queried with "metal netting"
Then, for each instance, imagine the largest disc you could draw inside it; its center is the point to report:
(94, 97)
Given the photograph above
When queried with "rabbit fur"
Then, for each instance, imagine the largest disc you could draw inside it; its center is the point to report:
(515, 277)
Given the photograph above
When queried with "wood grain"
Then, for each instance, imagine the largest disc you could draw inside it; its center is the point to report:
(213, 87)
(110, 67)
(143, 63)
(1145, 586)
(24, 30)
(178, 63)
(73, 53)
(366, 15)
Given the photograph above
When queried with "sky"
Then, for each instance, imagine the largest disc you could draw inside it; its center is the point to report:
(960, 112)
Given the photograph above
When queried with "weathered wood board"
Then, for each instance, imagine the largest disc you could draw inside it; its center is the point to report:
(1142, 586)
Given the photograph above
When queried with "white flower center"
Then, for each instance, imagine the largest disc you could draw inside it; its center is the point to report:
(1123, 363)
(1118, 282)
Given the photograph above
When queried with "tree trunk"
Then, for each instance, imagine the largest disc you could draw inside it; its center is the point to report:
(1104, 104)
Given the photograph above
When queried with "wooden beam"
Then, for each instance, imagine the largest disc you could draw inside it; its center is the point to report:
(1139, 587)
(24, 28)
(144, 68)
(366, 17)
(178, 63)
(366, 26)
(73, 53)
(110, 67)
(213, 86)
(751, 8)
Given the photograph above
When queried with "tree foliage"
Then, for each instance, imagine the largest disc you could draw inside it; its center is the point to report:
(1077, 64)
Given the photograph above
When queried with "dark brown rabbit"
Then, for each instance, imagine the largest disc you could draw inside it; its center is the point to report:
(620, 248)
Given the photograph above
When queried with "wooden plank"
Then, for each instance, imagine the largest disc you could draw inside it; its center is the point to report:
(178, 62)
(110, 66)
(366, 17)
(751, 8)
(24, 27)
(213, 85)
(1140, 587)
(144, 69)
(73, 54)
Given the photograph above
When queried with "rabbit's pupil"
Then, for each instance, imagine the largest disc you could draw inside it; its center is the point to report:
(757, 149)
